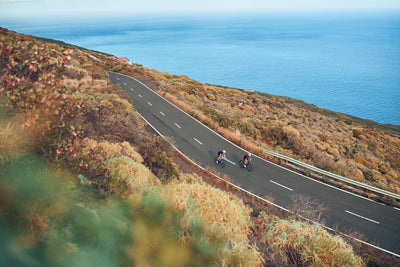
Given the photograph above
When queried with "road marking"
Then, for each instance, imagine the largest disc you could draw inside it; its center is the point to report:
(177, 125)
(140, 96)
(125, 83)
(117, 78)
(162, 113)
(132, 89)
(396, 208)
(231, 162)
(365, 218)
(150, 104)
(197, 141)
(281, 185)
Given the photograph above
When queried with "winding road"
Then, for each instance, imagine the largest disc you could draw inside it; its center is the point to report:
(379, 223)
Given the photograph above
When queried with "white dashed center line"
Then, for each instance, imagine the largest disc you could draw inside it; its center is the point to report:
(231, 162)
(195, 139)
(140, 96)
(281, 185)
(150, 104)
(162, 113)
(132, 89)
(177, 125)
(125, 84)
(362, 217)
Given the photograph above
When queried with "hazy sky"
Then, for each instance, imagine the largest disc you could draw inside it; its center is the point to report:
(41, 9)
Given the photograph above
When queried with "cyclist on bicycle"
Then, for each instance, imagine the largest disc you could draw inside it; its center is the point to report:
(246, 159)
(221, 154)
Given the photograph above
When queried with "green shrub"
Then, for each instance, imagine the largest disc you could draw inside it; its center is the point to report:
(117, 68)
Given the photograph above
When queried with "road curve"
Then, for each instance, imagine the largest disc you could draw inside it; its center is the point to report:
(379, 223)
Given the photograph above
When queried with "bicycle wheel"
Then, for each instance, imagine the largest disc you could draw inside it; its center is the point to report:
(223, 163)
(249, 167)
(241, 163)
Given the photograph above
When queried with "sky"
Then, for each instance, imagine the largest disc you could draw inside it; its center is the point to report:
(42, 9)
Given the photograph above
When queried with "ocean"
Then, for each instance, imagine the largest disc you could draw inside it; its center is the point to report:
(347, 62)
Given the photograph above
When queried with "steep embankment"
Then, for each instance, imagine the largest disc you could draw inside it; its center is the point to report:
(83, 182)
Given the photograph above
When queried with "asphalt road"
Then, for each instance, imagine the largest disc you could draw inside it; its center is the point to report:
(379, 223)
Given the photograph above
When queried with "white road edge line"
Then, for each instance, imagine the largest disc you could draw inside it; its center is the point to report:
(197, 141)
(248, 192)
(150, 104)
(177, 125)
(220, 178)
(365, 218)
(288, 188)
(396, 208)
(162, 113)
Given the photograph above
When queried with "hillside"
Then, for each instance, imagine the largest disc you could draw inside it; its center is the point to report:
(83, 181)
(354, 148)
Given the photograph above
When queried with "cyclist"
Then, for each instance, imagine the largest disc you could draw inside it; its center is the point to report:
(246, 159)
(221, 154)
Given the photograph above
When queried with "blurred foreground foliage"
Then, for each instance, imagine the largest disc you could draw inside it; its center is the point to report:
(46, 219)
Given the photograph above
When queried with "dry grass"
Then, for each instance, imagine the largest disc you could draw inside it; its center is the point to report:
(222, 213)
(94, 153)
(125, 171)
(12, 140)
(302, 244)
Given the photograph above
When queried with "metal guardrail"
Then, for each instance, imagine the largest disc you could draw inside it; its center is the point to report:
(335, 176)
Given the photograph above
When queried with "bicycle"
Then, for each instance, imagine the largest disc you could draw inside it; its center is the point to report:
(249, 167)
(220, 162)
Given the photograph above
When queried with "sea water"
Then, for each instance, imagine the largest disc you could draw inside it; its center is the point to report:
(348, 63)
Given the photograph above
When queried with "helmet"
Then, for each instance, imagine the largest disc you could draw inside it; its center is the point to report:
(224, 151)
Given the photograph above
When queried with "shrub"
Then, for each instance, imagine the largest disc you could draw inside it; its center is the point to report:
(89, 155)
(124, 176)
(225, 217)
(155, 152)
(357, 133)
(302, 244)
(287, 137)
(117, 68)
(324, 138)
